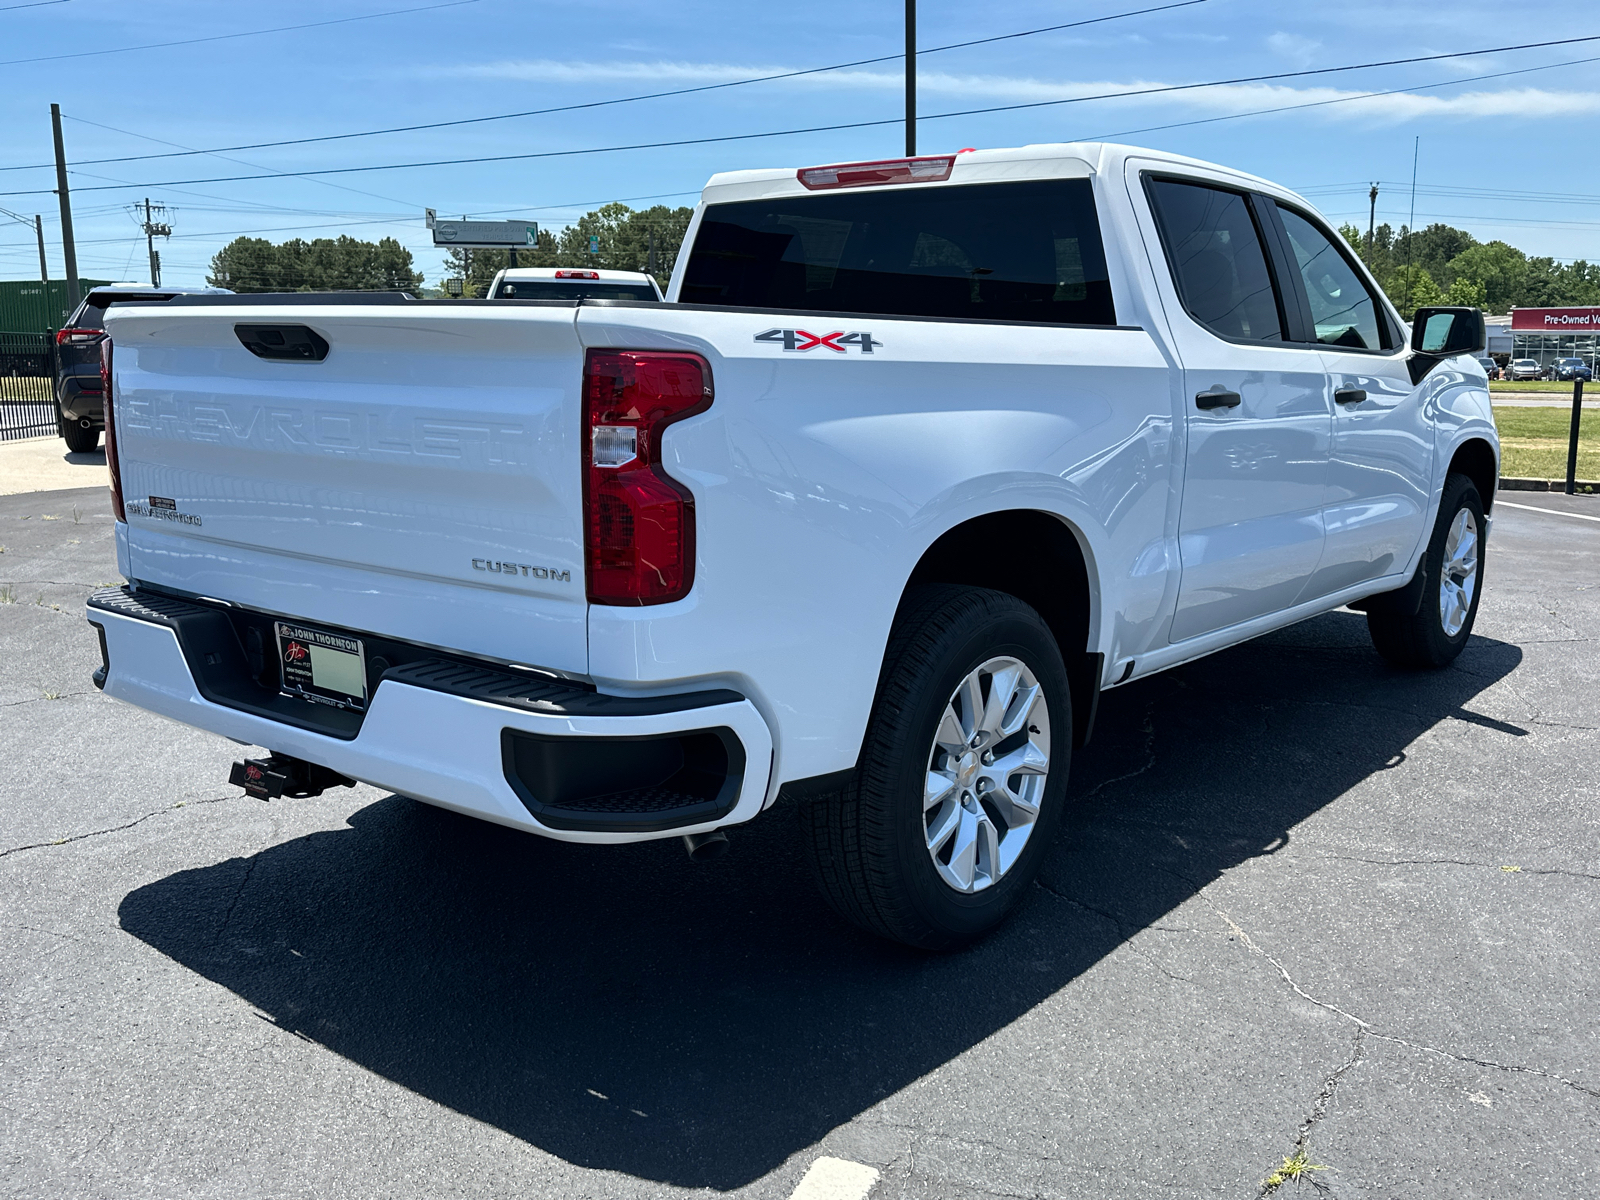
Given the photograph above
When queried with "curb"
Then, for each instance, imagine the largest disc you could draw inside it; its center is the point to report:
(1510, 483)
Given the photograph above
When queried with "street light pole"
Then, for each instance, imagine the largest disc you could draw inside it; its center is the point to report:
(911, 78)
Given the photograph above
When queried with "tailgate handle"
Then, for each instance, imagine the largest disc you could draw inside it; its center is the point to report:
(286, 343)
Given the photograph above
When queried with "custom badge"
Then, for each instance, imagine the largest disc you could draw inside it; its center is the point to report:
(801, 340)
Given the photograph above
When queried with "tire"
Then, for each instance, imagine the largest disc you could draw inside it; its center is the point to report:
(869, 844)
(79, 440)
(1436, 633)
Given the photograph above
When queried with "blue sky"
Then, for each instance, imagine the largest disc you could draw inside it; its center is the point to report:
(1511, 157)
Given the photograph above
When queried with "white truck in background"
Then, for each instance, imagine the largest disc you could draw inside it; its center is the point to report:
(917, 457)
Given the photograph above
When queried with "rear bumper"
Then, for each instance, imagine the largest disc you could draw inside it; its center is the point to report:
(80, 403)
(455, 749)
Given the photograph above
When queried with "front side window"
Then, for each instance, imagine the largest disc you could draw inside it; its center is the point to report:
(1343, 312)
(1217, 260)
(1026, 251)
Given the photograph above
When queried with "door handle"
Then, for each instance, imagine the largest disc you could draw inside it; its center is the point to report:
(1216, 398)
(1349, 395)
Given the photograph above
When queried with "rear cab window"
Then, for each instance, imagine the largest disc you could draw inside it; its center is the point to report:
(1026, 251)
(1216, 251)
(551, 289)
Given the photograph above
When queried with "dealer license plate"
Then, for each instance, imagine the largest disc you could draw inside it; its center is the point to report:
(327, 668)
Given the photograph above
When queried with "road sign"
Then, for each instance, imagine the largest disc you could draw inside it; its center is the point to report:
(495, 235)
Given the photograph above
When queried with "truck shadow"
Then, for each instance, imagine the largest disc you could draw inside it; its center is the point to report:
(626, 1010)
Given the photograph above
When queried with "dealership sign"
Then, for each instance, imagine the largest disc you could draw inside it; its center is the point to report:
(1556, 320)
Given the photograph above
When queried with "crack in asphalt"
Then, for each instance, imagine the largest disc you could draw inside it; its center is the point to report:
(1319, 1108)
(1149, 728)
(1366, 1026)
(45, 699)
(1119, 925)
(1458, 862)
(227, 917)
(93, 833)
(49, 583)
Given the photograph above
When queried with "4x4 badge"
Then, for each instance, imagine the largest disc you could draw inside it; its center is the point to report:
(799, 340)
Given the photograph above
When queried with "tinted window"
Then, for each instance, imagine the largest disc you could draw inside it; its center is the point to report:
(999, 251)
(549, 289)
(1342, 310)
(1217, 260)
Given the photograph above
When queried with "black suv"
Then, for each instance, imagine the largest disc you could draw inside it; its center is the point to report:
(80, 415)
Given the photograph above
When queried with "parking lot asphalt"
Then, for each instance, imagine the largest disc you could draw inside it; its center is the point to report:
(1305, 903)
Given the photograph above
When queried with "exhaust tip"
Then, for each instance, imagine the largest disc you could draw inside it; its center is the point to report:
(703, 847)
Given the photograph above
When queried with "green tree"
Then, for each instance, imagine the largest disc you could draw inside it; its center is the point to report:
(321, 265)
(1502, 270)
(1412, 288)
(1466, 293)
(623, 235)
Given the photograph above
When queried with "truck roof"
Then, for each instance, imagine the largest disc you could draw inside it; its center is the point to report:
(1045, 160)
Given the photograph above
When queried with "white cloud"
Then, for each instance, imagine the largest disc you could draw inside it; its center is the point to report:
(1301, 51)
(977, 91)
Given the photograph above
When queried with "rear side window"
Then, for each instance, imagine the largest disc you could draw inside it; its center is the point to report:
(1217, 260)
(1027, 251)
(542, 289)
(1343, 312)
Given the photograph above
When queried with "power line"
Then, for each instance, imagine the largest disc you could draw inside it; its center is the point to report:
(709, 87)
(1282, 108)
(223, 37)
(1165, 89)
(33, 4)
(240, 161)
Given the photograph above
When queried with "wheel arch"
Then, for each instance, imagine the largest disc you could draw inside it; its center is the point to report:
(1042, 560)
(1476, 459)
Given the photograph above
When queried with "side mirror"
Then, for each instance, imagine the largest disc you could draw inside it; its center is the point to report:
(1446, 332)
(1441, 333)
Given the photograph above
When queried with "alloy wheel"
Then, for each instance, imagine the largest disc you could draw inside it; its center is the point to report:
(986, 774)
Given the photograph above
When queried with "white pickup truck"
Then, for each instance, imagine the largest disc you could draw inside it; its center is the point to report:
(917, 457)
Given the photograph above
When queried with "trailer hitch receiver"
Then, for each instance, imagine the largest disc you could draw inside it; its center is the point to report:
(279, 775)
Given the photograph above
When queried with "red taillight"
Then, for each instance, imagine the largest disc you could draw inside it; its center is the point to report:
(638, 520)
(77, 336)
(890, 170)
(111, 431)
(577, 274)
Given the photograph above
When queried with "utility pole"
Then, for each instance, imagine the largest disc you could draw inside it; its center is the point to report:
(1372, 220)
(38, 231)
(911, 78)
(651, 266)
(69, 249)
(152, 230)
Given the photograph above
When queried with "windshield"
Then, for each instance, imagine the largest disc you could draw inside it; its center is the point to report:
(1024, 251)
(585, 289)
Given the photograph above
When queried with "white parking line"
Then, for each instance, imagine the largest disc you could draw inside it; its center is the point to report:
(1554, 512)
(836, 1179)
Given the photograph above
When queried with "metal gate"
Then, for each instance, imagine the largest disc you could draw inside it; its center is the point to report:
(27, 385)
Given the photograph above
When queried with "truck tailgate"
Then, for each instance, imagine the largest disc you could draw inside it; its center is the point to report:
(423, 481)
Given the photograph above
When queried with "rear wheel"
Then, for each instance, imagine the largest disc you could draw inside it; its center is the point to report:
(80, 440)
(1452, 585)
(962, 773)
